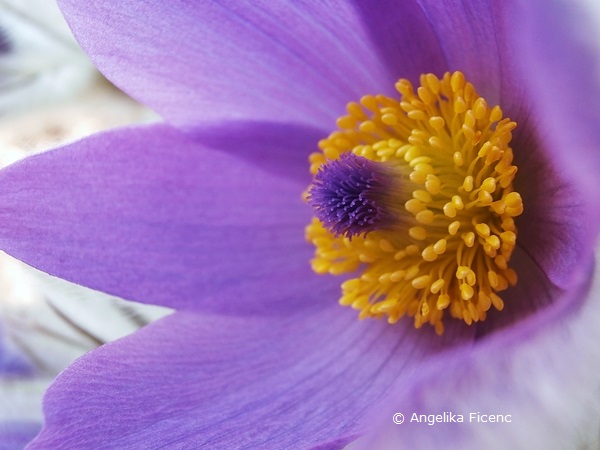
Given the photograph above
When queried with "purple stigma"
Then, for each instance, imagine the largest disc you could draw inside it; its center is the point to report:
(348, 195)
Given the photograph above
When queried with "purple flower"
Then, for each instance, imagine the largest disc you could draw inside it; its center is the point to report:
(204, 214)
(15, 370)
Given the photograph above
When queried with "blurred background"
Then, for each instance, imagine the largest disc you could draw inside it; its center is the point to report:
(50, 94)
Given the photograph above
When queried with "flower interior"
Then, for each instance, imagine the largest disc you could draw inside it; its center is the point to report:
(416, 197)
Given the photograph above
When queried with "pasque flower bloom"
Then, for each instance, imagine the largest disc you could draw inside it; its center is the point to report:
(204, 214)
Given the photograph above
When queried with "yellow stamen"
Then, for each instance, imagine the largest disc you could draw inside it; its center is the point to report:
(449, 253)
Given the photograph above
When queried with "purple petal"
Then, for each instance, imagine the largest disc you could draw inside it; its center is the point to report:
(486, 41)
(468, 36)
(533, 292)
(554, 231)
(452, 35)
(542, 375)
(406, 39)
(198, 62)
(558, 70)
(216, 382)
(508, 51)
(153, 216)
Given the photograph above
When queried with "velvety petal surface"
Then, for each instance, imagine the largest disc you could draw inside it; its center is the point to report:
(557, 61)
(544, 375)
(197, 62)
(215, 382)
(153, 216)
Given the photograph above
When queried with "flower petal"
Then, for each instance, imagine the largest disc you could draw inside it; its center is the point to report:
(125, 213)
(218, 382)
(542, 375)
(533, 292)
(209, 61)
(554, 229)
(507, 50)
(469, 38)
(406, 39)
(557, 70)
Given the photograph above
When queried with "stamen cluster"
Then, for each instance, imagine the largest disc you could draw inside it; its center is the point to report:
(449, 231)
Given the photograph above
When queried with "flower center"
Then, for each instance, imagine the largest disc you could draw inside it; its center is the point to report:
(418, 194)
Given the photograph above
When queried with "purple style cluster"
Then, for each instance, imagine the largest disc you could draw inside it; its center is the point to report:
(348, 196)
